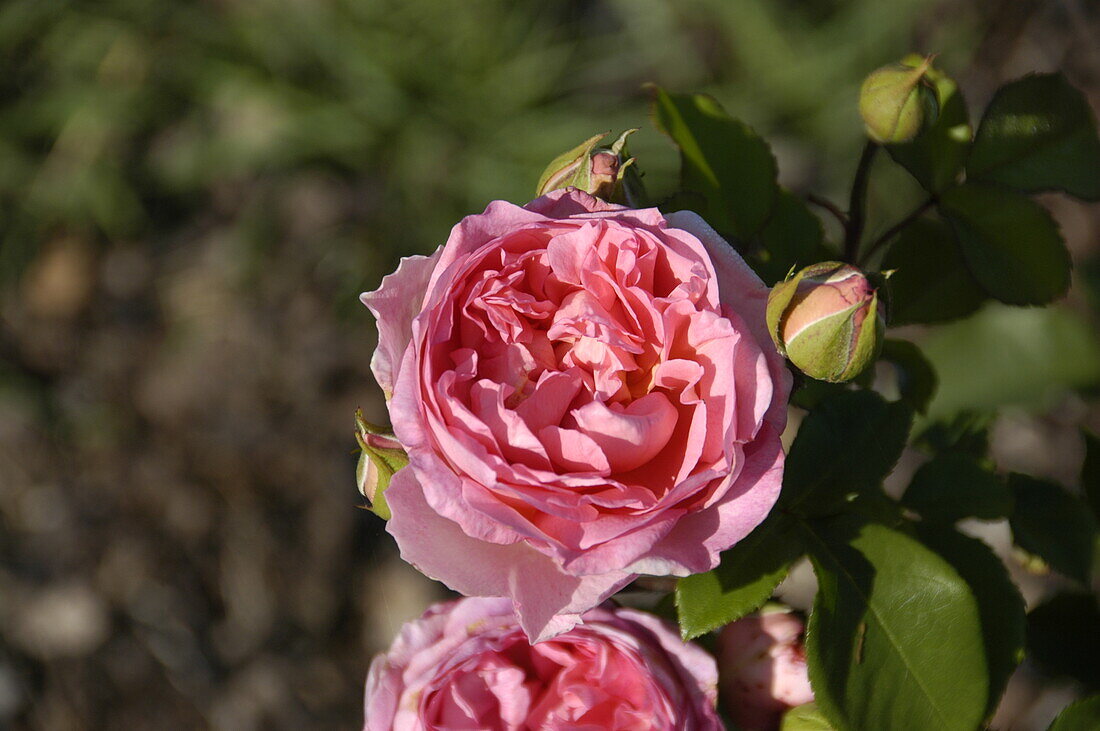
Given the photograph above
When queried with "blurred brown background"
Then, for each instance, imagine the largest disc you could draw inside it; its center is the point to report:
(192, 194)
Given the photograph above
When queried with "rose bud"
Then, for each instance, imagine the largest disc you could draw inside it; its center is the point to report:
(595, 170)
(762, 669)
(381, 456)
(897, 102)
(467, 665)
(827, 319)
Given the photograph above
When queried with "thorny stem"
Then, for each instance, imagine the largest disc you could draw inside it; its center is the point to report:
(857, 206)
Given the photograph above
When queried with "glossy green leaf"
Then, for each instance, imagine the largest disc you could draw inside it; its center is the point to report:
(931, 282)
(791, 238)
(935, 158)
(894, 640)
(915, 375)
(805, 718)
(1011, 355)
(1062, 637)
(1038, 133)
(1054, 525)
(1090, 472)
(722, 159)
(1010, 243)
(1084, 715)
(999, 602)
(846, 445)
(954, 486)
(742, 582)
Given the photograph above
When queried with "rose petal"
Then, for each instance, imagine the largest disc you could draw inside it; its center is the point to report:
(629, 437)
(395, 303)
(548, 601)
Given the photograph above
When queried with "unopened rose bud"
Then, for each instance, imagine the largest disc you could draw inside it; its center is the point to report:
(595, 170)
(827, 319)
(762, 669)
(381, 456)
(897, 102)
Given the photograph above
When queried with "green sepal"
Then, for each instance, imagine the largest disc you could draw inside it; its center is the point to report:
(569, 168)
(778, 299)
(830, 350)
(386, 461)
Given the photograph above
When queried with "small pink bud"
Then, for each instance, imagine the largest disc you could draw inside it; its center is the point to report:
(827, 320)
(381, 456)
(588, 167)
(762, 669)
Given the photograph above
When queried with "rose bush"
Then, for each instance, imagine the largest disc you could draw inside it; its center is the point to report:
(467, 664)
(586, 393)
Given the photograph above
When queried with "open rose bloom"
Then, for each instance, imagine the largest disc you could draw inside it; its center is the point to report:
(586, 393)
(468, 665)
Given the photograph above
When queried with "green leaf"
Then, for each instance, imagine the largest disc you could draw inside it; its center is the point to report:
(810, 392)
(1010, 355)
(935, 158)
(805, 718)
(1062, 637)
(1010, 243)
(999, 602)
(1038, 133)
(966, 433)
(1090, 472)
(742, 582)
(954, 486)
(916, 378)
(894, 640)
(846, 445)
(1084, 715)
(930, 282)
(1054, 525)
(791, 238)
(722, 159)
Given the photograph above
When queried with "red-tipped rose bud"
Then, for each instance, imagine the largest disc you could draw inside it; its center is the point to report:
(382, 456)
(827, 319)
(762, 669)
(595, 170)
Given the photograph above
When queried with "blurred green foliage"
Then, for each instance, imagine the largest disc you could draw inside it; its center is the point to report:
(130, 120)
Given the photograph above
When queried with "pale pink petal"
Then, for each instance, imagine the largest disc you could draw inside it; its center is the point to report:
(566, 202)
(693, 545)
(629, 437)
(548, 601)
(745, 295)
(578, 205)
(573, 451)
(473, 232)
(394, 304)
(550, 400)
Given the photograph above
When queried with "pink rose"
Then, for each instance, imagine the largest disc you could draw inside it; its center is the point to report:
(586, 393)
(468, 665)
(763, 664)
